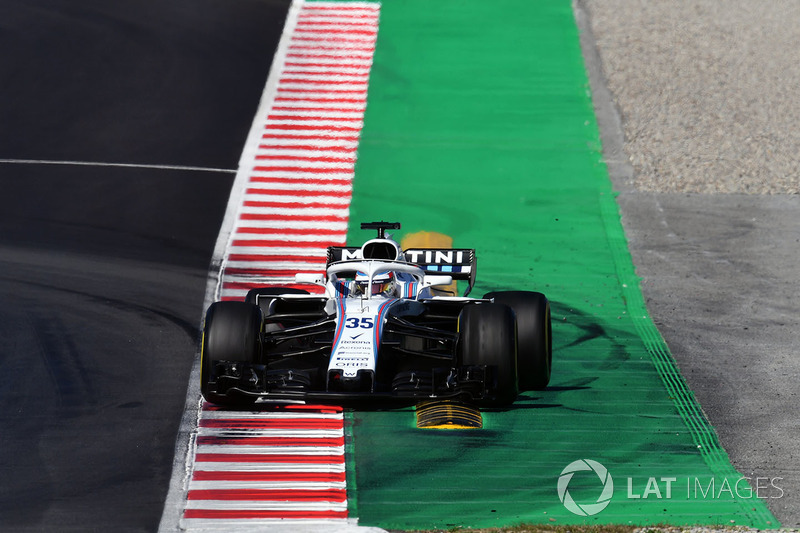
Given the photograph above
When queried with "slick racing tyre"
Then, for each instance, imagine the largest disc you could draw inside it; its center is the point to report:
(230, 334)
(487, 336)
(261, 298)
(534, 336)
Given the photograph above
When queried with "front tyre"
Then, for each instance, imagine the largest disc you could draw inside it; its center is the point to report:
(534, 336)
(487, 336)
(231, 334)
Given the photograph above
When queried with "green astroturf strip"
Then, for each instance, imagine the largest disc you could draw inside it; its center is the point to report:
(479, 125)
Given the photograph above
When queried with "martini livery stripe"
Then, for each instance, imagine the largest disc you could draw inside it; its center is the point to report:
(379, 322)
(340, 312)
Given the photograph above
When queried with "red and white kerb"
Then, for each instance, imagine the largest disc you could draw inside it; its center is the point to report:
(299, 183)
(250, 469)
(261, 468)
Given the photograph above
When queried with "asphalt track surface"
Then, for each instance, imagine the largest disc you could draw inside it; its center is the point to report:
(103, 268)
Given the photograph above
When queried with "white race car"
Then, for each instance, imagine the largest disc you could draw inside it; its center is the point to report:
(386, 328)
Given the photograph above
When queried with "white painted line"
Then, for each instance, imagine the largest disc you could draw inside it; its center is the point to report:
(297, 266)
(241, 505)
(245, 448)
(318, 121)
(276, 525)
(280, 165)
(290, 253)
(268, 202)
(330, 468)
(299, 225)
(340, 21)
(269, 415)
(280, 432)
(268, 485)
(317, 240)
(306, 211)
(340, 67)
(118, 165)
(306, 84)
(268, 171)
(318, 116)
(322, 143)
(334, 158)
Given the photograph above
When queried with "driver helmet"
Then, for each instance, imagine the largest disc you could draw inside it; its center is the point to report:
(382, 283)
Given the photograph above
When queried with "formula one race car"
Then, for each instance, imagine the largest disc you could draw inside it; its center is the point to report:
(383, 329)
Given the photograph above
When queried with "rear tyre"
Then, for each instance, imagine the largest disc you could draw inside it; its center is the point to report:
(230, 334)
(534, 336)
(487, 336)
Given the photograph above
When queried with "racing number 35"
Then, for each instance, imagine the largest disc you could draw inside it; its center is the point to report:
(354, 322)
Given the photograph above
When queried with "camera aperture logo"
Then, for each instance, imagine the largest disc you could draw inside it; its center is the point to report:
(606, 492)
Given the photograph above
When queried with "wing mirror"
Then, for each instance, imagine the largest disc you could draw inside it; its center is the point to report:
(313, 279)
(431, 280)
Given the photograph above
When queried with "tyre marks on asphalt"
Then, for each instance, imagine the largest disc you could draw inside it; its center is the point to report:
(290, 201)
(297, 178)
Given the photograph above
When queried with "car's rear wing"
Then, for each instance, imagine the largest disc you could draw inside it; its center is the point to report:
(460, 263)
(457, 262)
